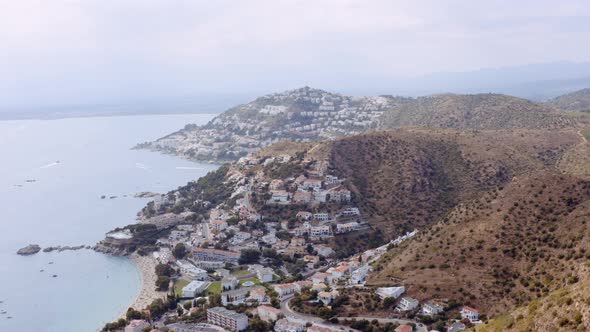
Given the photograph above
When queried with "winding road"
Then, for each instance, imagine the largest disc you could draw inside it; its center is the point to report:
(288, 312)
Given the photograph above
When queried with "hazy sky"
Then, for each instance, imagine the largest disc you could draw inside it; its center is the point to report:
(101, 50)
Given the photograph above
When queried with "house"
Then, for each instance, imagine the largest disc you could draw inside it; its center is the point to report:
(359, 275)
(276, 184)
(263, 274)
(347, 227)
(240, 237)
(320, 277)
(394, 292)
(339, 272)
(351, 212)
(404, 328)
(268, 313)
(328, 297)
(258, 295)
(284, 290)
(456, 327)
(191, 270)
(407, 304)
(318, 232)
(216, 255)
(300, 285)
(323, 250)
(312, 184)
(431, 309)
(279, 196)
(227, 319)
(229, 283)
(319, 287)
(322, 216)
(218, 224)
(311, 259)
(304, 215)
(298, 241)
(137, 325)
(470, 313)
(293, 250)
(193, 288)
(235, 296)
(222, 273)
(284, 325)
(340, 195)
(302, 197)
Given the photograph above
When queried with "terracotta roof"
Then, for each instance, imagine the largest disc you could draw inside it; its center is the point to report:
(470, 309)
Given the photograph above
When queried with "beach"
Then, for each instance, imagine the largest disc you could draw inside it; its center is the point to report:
(147, 293)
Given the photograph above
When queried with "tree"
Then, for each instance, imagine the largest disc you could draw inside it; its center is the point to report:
(164, 270)
(162, 283)
(249, 256)
(179, 251)
(258, 325)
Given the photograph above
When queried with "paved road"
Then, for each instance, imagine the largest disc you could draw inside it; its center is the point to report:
(288, 312)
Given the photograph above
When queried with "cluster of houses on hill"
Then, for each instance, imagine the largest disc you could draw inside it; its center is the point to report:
(299, 115)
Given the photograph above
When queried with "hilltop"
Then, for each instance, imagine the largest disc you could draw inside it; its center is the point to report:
(308, 114)
(478, 111)
(300, 115)
(577, 101)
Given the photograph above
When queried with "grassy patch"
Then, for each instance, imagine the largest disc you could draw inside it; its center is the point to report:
(240, 273)
(179, 285)
(586, 133)
(254, 280)
(214, 287)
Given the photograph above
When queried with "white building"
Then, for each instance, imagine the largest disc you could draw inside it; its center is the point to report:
(227, 319)
(229, 283)
(191, 270)
(407, 304)
(394, 292)
(194, 288)
(470, 313)
(328, 297)
(322, 216)
(431, 309)
(268, 313)
(235, 296)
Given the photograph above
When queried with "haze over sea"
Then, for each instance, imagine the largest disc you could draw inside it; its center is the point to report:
(63, 206)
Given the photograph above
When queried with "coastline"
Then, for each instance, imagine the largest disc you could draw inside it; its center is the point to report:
(147, 292)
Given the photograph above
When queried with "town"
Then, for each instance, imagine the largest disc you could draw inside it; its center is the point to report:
(260, 258)
(299, 115)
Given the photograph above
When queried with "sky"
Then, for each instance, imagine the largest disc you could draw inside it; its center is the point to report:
(92, 51)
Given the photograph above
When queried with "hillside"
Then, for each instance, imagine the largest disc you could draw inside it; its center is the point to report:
(510, 246)
(410, 178)
(480, 111)
(299, 115)
(578, 101)
(565, 309)
(307, 114)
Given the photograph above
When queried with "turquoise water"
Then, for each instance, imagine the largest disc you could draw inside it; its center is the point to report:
(63, 207)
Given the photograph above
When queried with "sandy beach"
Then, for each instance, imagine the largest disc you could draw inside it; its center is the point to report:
(147, 293)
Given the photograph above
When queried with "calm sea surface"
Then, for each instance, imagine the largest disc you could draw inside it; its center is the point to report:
(70, 163)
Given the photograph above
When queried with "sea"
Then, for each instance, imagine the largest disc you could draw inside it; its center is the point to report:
(52, 176)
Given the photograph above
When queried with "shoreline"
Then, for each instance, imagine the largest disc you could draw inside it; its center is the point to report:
(147, 291)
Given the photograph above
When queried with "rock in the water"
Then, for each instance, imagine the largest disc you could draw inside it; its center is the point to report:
(31, 249)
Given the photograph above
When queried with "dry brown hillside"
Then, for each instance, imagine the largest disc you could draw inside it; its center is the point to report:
(578, 101)
(479, 111)
(504, 249)
(410, 178)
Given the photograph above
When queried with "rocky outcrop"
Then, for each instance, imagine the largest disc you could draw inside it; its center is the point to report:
(31, 249)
